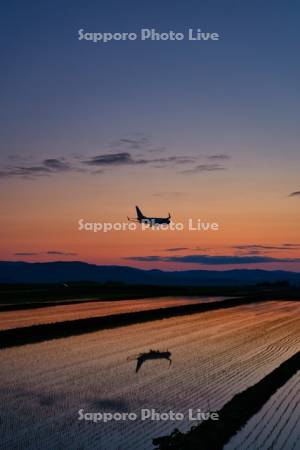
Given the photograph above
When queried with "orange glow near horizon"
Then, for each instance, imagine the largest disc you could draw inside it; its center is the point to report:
(44, 226)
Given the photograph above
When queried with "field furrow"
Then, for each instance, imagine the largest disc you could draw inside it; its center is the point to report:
(215, 355)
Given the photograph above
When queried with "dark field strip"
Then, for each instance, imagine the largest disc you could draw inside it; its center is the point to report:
(213, 435)
(21, 297)
(38, 333)
(64, 313)
(24, 297)
(99, 298)
(76, 301)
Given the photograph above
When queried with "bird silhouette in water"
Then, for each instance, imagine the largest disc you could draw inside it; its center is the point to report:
(152, 354)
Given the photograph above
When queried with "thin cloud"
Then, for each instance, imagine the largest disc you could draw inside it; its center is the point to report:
(25, 254)
(256, 247)
(48, 252)
(229, 259)
(145, 258)
(135, 144)
(219, 157)
(295, 194)
(291, 245)
(114, 159)
(200, 168)
(176, 249)
(138, 142)
(56, 164)
(25, 171)
(47, 167)
(51, 166)
(213, 260)
(59, 253)
(175, 160)
(157, 149)
(126, 158)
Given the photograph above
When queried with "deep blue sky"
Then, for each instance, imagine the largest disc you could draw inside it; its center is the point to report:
(79, 93)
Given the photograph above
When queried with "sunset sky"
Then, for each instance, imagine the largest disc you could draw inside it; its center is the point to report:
(203, 130)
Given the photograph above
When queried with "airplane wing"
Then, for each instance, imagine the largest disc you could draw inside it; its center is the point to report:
(138, 365)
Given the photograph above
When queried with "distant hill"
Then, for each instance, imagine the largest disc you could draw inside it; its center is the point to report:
(60, 272)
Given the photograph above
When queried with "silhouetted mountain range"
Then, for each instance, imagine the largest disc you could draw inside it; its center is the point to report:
(60, 272)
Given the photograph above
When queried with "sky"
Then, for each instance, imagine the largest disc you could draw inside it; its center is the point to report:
(205, 130)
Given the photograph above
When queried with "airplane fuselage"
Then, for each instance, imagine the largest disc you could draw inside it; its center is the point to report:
(154, 220)
(150, 221)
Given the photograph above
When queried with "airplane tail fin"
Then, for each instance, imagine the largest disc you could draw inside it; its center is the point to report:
(139, 213)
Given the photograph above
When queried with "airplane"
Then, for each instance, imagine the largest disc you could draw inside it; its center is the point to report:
(152, 354)
(150, 220)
